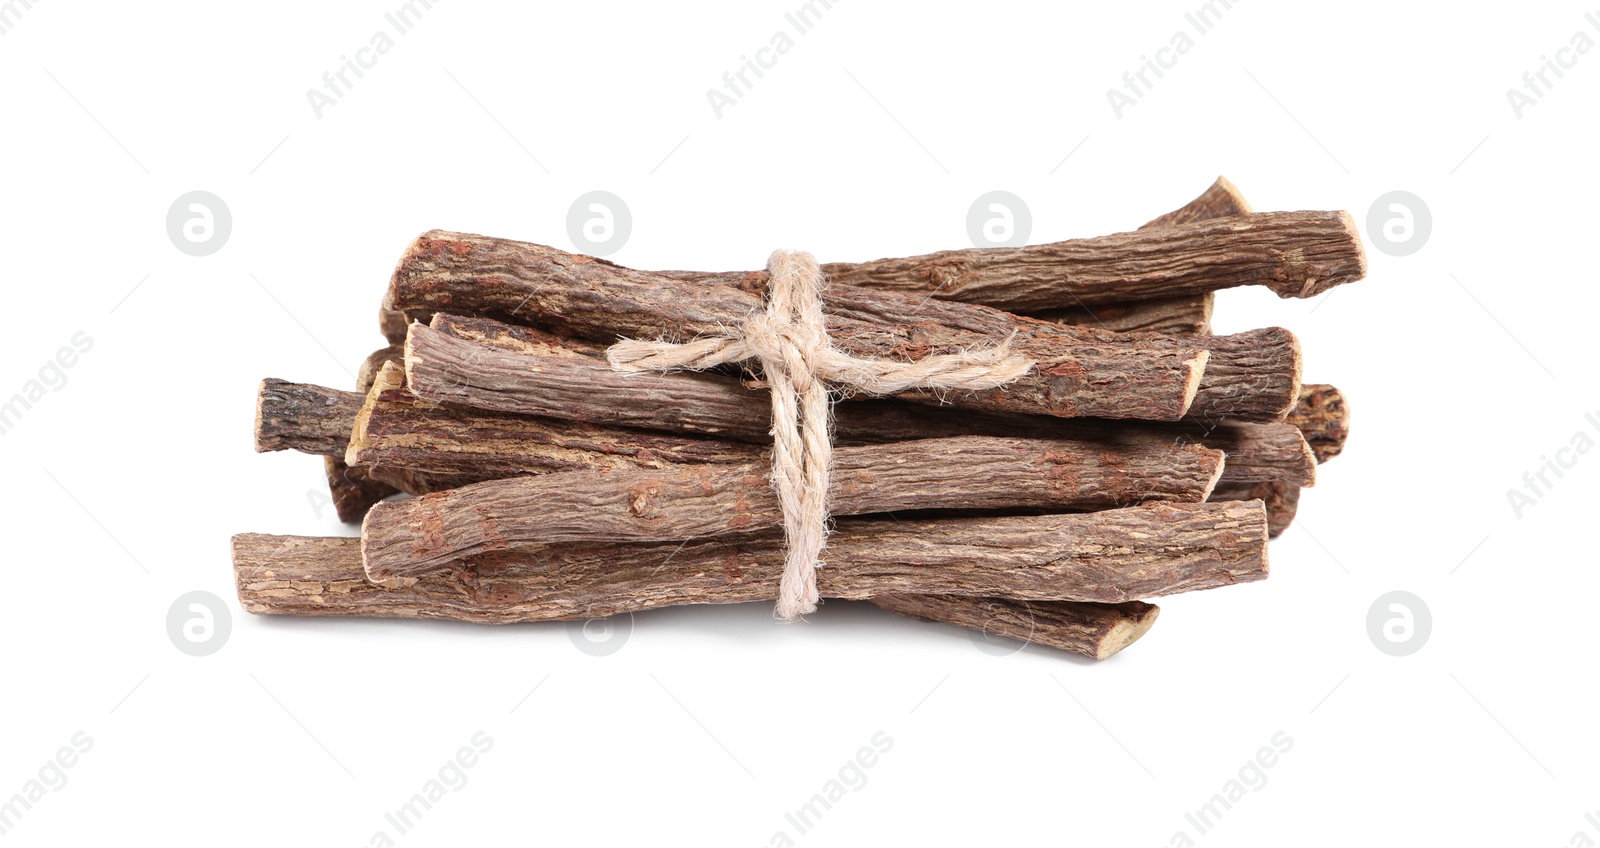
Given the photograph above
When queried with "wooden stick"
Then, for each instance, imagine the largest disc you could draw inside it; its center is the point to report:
(395, 428)
(441, 446)
(1080, 372)
(1295, 254)
(1102, 557)
(1095, 630)
(1323, 417)
(1182, 315)
(1250, 376)
(321, 576)
(409, 538)
(1281, 500)
(1185, 315)
(305, 418)
(353, 489)
(1189, 315)
(1222, 199)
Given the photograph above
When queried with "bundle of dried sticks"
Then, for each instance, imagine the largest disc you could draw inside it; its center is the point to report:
(1139, 456)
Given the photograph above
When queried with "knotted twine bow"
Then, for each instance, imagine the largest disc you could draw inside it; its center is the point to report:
(790, 339)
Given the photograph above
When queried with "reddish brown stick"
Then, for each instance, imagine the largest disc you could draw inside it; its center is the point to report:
(1080, 371)
(1102, 557)
(409, 538)
(1095, 630)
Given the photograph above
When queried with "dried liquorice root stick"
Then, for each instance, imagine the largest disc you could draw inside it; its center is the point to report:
(1185, 315)
(1250, 376)
(1296, 254)
(1256, 452)
(305, 418)
(1182, 315)
(1080, 371)
(1101, 557)
(409, 538)
(421, 446)
(445, 368)
(1323, 418)
(1282, 501)
(298, 575)
(353, 488)
(1095, 630)
(312, 419)
(397, 429)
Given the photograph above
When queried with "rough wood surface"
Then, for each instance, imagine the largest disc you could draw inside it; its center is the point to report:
(1095, 630)
(1186, 315)
(1222, 199)
(1102, 557)
(453, 444)
(353, 489)
(1250, 376)
(284, 575)
(1281, 500)
(1189, 315)
(303, 417)
(1295, 254)
(1323, 418)
(1256, 452)
(412, 537)
(398, 429)
(1080, 371)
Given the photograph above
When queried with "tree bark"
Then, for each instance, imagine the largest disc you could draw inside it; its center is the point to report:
(1095, 630)
(1296, 254)
(450, 370)
(1080, 371)
(1323, 418)
(300, 575)
(1189, 315)
(397, 433)
(1221, 200)
(1281, 500)
(1101, 557)
(305, 418)
(409, 538)
(1186, 315)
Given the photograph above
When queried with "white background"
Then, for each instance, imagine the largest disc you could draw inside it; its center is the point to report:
(1465, 363)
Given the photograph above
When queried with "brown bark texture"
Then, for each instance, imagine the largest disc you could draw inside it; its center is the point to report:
(411, 537)
(1101, 557)
(1095, 630)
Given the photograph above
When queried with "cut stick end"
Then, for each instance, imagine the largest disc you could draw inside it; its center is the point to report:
(261, 399)
(1216, 475)
(1226, 187)
(1125, 632)
(1196, 372)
